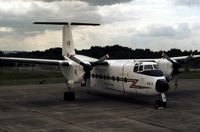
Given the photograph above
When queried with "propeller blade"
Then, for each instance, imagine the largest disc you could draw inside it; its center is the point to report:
(86, 67)
(189, 57)
(103, 58)
(168, 58)
(175, 65)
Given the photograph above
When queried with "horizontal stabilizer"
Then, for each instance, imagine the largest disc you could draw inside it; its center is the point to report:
(68, 23)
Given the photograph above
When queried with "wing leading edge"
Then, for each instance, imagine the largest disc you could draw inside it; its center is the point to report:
(180, 58)
(35, 61)
(186, 57)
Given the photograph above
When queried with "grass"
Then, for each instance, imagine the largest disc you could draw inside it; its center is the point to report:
(10, 76)
(190, 75)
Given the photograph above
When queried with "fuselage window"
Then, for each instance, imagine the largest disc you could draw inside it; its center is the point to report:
(107, 77)
(93, 75)
(148, 67)
(125, 79)
(135, 68)
(118, 79)
(96, 75)
(104, 77)
(100, 76)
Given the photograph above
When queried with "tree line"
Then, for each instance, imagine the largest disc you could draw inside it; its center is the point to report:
(115, 52)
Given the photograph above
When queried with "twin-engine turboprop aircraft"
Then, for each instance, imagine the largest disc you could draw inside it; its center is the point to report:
(140, 76)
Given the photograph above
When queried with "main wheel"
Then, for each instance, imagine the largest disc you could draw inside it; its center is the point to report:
(69, 96)
(160, 104)
(157, 104)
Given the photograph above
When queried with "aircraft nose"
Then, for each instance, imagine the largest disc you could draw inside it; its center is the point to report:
(162, 86)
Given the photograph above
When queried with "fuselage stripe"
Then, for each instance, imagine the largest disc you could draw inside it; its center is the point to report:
(116, 78)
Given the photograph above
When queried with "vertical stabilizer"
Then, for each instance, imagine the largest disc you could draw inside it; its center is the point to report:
(67, 42)
(68, 50)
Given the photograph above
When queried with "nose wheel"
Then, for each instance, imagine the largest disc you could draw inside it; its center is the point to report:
(161, 103)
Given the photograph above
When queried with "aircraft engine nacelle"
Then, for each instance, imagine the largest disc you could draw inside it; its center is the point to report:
(166, 67)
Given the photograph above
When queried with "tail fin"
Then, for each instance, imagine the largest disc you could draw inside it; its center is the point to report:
(67, 42)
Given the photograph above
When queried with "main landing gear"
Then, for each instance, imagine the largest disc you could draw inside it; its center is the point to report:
(69, 95)
(161, 103)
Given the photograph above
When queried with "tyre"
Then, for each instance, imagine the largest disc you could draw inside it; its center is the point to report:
(157, 104)
(160, 104)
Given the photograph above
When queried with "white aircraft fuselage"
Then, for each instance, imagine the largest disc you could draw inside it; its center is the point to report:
(126, 76)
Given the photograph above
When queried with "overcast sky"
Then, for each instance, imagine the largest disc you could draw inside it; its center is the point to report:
(153, 24)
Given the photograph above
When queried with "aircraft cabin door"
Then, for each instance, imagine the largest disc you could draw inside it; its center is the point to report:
(127, 68)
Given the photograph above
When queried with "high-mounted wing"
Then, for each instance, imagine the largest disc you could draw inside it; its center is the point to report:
(35, 61)
(180, 58)
(186, 57)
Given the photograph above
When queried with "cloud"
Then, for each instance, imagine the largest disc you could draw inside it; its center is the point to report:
(154, 31)
(93, 2)
(186, 2)
(134, 23)
(20, 14)
(6, 29)
(37, 42)
(105, 2)
(176, 31)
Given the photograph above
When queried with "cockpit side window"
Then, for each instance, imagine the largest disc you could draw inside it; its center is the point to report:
(155, 67)
(148, 67)
(135, 68)
(140, 68)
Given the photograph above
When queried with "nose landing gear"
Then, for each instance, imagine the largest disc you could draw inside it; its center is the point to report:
(161, 103)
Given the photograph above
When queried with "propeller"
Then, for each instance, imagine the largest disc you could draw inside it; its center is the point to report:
(99, 61)
(88, 66)
(175, 65)
(175, 71)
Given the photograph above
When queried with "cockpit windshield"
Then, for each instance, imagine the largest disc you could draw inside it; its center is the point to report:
(147, 67)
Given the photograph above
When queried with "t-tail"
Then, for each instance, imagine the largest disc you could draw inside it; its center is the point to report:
(68, 50)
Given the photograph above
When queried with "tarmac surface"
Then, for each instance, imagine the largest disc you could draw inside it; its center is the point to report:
(40, 108)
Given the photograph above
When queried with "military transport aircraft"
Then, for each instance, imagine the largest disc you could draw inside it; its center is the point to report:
(140, 76)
